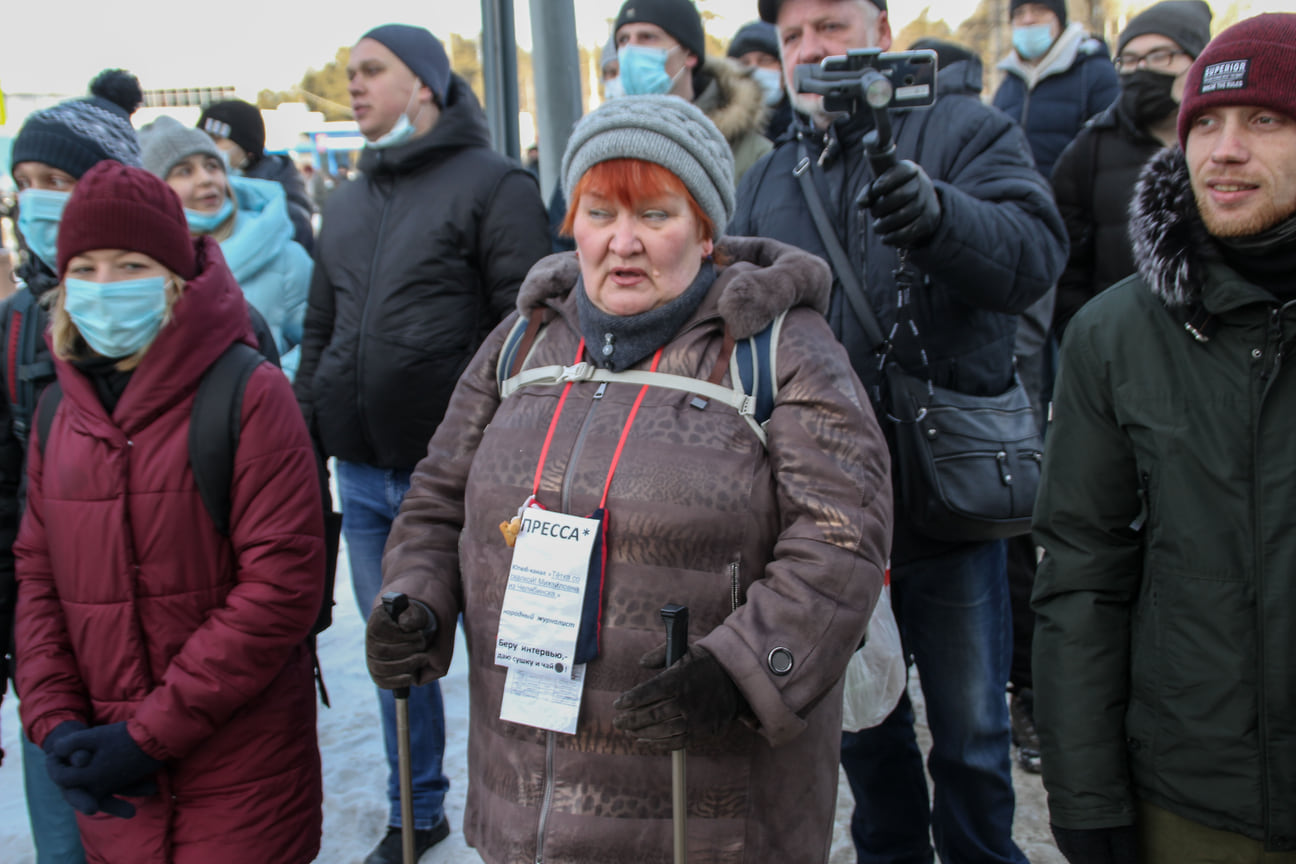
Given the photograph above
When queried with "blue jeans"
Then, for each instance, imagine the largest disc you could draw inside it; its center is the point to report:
(955, 621)
(370, 499)
(53, 821)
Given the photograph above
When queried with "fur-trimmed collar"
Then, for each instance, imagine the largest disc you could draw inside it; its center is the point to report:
(1169, 241)
(732, 99)
(766, 277)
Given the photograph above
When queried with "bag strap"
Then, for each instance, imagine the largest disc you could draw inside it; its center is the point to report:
(807, 175)
(45, 411)
(25, 376)
(214, 425)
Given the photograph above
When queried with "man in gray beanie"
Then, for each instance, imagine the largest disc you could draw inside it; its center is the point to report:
(756, 46)
(416, 261)
(661, 48)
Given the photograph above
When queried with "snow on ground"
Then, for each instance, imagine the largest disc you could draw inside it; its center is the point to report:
(355, 805)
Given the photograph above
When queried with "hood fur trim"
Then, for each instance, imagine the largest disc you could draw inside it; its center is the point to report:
(766, 278)
(1169, 241)
(733, 100)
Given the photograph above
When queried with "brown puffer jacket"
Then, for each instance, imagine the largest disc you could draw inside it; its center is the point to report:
(769, 548)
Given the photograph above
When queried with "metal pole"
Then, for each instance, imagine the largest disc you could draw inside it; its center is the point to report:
(395, 603)
(499, 69)
(676, 619)
(556, 61)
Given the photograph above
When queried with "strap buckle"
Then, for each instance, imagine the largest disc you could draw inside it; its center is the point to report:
(802, 166)
(582, 371)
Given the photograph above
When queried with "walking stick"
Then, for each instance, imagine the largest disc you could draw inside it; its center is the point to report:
(395, 603)
(676, 620)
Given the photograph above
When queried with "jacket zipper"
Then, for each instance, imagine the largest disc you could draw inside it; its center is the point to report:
(550, 740)
(364, 321)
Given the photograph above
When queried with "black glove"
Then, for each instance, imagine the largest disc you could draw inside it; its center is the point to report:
(906, 209)
(397, 651)
(691, 701)
(1098, 845)
(94, 765)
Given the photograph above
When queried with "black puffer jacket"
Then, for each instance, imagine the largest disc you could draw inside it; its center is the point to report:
(417, 260)
(1000, 245)
(280, 169)
(1093, 182)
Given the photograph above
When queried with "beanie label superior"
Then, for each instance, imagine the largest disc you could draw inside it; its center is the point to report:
(1225, 76)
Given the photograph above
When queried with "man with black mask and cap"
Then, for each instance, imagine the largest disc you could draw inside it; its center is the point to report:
(1094, 177)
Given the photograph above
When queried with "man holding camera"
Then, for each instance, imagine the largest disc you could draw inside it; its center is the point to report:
(964, 232)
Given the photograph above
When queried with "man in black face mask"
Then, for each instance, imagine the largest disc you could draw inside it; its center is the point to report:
(1093, 179)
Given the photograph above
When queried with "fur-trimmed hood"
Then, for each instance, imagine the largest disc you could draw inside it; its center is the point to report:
(731, 99)
(1170, 242)
(766, 278)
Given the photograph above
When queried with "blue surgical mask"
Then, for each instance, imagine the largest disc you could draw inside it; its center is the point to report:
(613, 89)
(643, 70)
(205, 223)
(116, 319)
(771, 83)
(1032, 42)
(39, 213)
(402, 130)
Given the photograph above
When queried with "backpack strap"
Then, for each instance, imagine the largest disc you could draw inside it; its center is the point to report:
(214, 424)
(25, 376)
(45, 411)
(753, 363)
(517, 346)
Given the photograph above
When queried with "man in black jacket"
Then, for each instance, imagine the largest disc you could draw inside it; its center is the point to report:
(984, 240)
(416, 261)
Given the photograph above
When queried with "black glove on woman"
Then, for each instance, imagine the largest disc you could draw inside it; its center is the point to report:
(397, 651)
(693, 700)
(1098, 845)
(94, 765)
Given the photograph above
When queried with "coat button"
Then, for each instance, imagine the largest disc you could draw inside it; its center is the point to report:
(780, 661)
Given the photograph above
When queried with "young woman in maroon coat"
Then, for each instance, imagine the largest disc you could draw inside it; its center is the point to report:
(165, 670)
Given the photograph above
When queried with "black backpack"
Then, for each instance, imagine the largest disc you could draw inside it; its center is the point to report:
(214, 427)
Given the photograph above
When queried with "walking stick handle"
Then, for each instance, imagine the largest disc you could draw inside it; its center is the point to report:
(676, 618)
(394, 603)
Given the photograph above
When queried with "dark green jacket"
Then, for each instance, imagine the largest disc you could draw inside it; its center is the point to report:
(1165, 644)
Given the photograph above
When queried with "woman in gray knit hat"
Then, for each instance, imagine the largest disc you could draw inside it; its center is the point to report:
(608, 452)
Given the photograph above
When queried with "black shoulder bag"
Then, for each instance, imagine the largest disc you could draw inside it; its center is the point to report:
(967, 466)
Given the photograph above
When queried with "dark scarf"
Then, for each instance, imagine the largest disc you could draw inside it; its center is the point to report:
(109, 381)
(1267, 259)
(618, 342)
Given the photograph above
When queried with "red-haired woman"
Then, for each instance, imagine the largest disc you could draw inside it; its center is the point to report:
(640, 494)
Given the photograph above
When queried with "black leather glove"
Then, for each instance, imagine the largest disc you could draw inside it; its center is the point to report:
(1098, 845)
(397, 651)
(906, 209)
(691, 701)
(94, 765)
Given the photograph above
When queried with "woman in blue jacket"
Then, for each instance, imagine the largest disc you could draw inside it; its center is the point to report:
(249, 218)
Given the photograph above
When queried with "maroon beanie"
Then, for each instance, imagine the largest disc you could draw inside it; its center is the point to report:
(115, 206)
(1251, 63)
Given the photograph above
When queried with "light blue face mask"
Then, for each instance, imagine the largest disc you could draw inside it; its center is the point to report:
(613, 89)
(643, 70)
(116, 318)
(205, 223)
(1032, 42)
(402, 130)
(771, 83)
(39, 213)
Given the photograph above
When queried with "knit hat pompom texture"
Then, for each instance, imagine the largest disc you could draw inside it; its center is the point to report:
(74, 135)
(1185, 22)
(418, 49)
(664, 130)
(679, 18)
(1251, 63)
(119, 207)
(239, 121)
(166, 141)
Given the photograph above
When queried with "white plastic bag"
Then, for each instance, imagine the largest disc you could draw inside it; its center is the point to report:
(875, 676)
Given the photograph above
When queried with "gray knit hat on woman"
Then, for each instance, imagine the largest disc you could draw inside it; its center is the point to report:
(166, 141)
(665, 130)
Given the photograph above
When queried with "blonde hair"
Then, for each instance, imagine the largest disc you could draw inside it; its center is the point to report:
(70, 345)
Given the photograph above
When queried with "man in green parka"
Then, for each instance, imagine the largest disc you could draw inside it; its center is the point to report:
(1165, 643)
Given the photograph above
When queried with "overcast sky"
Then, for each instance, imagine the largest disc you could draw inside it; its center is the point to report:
(57, 46)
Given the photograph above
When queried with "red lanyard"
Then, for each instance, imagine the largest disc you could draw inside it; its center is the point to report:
(625, 430)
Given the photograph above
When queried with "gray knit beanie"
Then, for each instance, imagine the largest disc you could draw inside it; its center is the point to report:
(166, 141)
(665, 130)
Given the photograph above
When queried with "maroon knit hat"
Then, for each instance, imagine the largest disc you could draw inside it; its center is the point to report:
(115, 206)
(1251, 63)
